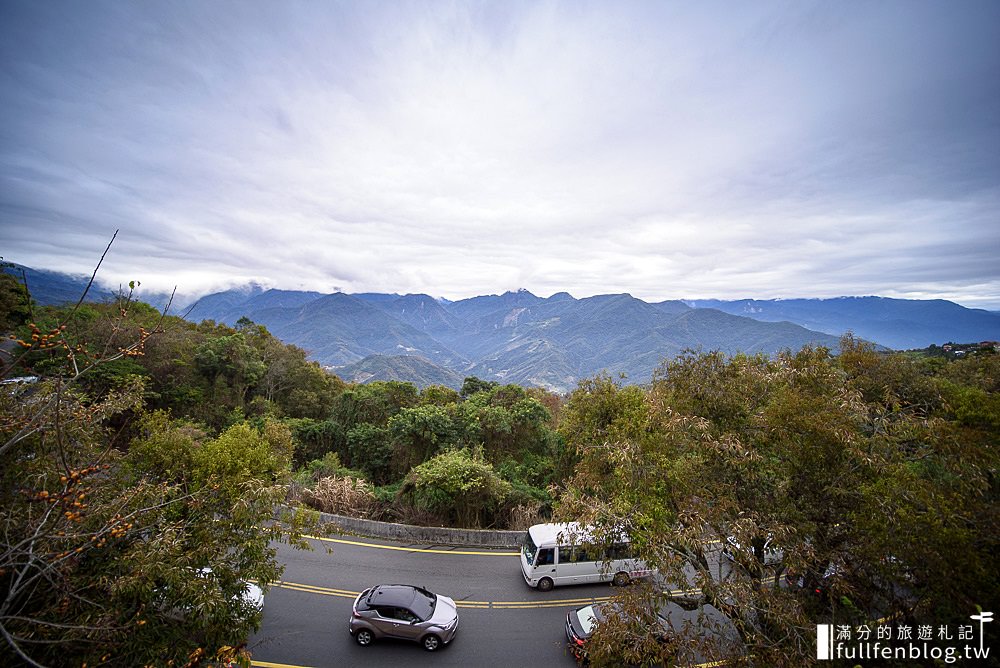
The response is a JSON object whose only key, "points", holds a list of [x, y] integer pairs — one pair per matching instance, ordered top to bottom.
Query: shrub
{"points": [[461, 489]]}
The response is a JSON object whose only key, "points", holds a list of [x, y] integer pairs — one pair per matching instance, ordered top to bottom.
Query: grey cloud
{"points": [[462, 149]]}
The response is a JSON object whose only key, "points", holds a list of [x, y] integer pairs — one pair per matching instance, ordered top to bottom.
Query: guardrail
{"points": [[417, 534]]}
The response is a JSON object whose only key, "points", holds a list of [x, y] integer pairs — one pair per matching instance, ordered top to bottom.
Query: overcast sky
{"points": [[665, 149]]}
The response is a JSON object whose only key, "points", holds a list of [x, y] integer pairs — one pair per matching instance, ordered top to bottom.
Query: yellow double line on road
{"points": [[314, 589], [344, 593], [482, 605], [523, 605]]}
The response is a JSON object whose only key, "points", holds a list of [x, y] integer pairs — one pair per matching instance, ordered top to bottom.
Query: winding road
{"points": [[503, 622]]}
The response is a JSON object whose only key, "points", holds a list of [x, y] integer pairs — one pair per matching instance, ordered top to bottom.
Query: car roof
{"points": [[564, 533], [547, 534], [392, 594], [602, 610]]}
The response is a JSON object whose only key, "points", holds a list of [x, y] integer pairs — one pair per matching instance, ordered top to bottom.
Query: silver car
{"points": [[406, 612]]}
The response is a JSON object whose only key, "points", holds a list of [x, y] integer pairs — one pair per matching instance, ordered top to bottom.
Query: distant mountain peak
{"points": [[520, 292]]}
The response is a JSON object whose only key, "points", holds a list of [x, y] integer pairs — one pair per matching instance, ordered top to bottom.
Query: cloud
{"points": [[663, 150]]}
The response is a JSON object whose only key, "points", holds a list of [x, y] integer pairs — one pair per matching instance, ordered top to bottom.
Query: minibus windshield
{"points": [[529, 548]]}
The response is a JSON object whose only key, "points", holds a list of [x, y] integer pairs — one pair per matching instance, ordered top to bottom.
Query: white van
{"points": [[561, 554]]}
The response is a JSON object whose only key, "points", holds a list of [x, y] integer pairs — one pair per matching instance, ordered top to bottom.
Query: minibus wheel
{"points": [[620, 579], [545, 584]]}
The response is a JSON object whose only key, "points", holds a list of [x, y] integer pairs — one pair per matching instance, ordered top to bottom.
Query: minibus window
{"points": [[529, 548], [621, 551], [546, 557]]}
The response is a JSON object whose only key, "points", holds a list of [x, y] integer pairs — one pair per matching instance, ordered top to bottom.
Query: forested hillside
{"points": [[134, 445]]}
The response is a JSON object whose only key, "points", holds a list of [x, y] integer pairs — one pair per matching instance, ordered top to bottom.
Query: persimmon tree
{"points": [[127, 537]]}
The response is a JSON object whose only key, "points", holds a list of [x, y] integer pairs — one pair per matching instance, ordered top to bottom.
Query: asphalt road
{"points": [[502, 621]]}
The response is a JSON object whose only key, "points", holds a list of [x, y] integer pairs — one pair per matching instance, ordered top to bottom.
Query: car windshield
{"points": [[529, 548], [423, 604]]}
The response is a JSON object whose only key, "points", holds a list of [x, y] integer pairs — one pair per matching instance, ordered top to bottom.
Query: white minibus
{"points": [[561, 554]]}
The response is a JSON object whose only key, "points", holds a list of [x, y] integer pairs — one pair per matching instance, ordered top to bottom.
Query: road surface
{"points": [[502, 621]]}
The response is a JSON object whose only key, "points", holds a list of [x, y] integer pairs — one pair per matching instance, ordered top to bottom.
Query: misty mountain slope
{"points": [[50, 287], [376, 297], [278, 299], [220, 306], [674, 306], [228, 307], [487, 308], [424, 313], [895, 323], [489, 324], [338, 329], [711, 329], [613, 333], [528, 361], [417, 370]]}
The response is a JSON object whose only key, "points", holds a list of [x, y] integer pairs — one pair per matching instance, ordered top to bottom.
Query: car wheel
{"points": [[620, 579], [545, 584], [364, 637], [431, 642]]}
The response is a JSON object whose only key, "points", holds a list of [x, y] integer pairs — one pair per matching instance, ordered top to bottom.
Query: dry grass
{"points": [[341, 496], [525, 515]]}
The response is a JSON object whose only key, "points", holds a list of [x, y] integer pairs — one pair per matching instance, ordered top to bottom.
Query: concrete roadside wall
{"points": [[414, 534]]}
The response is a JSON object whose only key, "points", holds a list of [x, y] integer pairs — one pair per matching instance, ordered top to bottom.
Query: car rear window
{"points": [[589, 617]]}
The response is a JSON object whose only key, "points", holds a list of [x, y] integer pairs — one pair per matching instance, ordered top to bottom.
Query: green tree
{"points": [[15, 303], [232, 359], [472, 385], [439, 395], [373, 403], [505, 420], [418, 433], [313, 439], [370, 448], [847, 464], [460, 488]]}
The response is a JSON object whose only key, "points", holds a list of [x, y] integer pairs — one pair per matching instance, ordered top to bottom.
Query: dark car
{"points": [[815, 583], [405, 612], [580, 624]]}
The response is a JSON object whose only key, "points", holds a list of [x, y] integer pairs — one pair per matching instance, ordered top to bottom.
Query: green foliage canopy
{"points": [[877, 481], [457, 485]]}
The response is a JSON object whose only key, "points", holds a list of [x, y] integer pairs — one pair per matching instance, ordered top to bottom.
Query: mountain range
{"points": [[900, 324], [554, 342]]}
